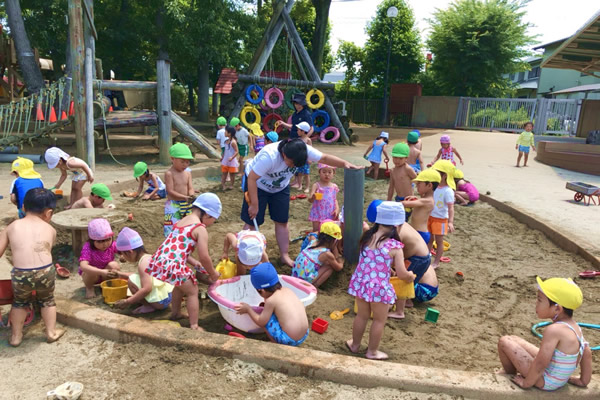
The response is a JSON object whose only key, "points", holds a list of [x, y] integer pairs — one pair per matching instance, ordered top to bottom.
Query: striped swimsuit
{"points": [[562, 365]]}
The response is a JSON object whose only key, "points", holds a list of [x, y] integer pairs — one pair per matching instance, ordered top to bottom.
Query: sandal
{"points": [[301, 196], [293, 197], [445, 259]]}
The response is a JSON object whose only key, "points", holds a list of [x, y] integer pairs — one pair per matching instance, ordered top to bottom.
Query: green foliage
{"points": [[474, 42], [350, 57], [179, 98], [494, 117]]}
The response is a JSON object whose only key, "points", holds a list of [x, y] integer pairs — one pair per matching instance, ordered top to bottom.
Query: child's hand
{"points": [[231, 159], [387, 160], [90, 179], [410, 198], [450, 227], [224, 256], [112, 274], [214, 276], [121, 304], [242, 308], [519, 381], [576, 381]]}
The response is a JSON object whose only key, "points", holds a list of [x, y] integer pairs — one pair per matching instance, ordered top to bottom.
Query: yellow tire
{"points": [[319, 94], [245, 112]]}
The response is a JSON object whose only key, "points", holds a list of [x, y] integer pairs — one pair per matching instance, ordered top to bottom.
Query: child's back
{"points": [[414, 155], [31, 240], [290, 312]]}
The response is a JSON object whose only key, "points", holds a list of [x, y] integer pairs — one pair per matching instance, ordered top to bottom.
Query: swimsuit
{"points": [[448, 154], [375, 156], [162, 188], [324, 209], [175, 210], [425, 235], [307, 264], [419, 265], [25, 281], [425, 292], [279, 335], [562, 365]]}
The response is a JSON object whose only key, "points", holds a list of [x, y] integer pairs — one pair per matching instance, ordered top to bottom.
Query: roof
{"points": [[543, 46], [581, 51], [226, 80], [529, 85], [583, 88]]}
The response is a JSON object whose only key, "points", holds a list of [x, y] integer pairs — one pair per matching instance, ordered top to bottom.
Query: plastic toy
{"points": [[277, 127], [584, 191], [58, 193], [318, 196], [130, 216], [446, 246], [226, 268], [62, 271], [589, 274], [403, 289], [114, 290], [6, 297], [337, 315], [432, 315], [319, 325], [535, 327], [237, 335]]}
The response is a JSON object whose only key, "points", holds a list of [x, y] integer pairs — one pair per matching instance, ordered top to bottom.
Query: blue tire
{"points": [[254, 88], [326, 120]]}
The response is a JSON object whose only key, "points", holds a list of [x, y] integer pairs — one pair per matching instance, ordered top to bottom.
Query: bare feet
{"points": [[517, 165], [295, 186], [306, 190], [285, 258], [435, 266], [90, 293], [408, 304], [144, 309], [396, 315], [177, 317], [196, 328], [51, 338], [15, 340], [349, 345], [378, 355]]}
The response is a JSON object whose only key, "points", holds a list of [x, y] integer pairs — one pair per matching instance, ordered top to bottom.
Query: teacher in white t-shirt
{"points": [[267, 183]]}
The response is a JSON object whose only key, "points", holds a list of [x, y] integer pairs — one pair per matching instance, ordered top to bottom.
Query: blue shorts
{"points": [[524, 149], [416, 167], [305, 169], [161, 193], [279, 206], [407, 211], [425, 235], [309, 238], [419, 265], [425, 292], [166, 301], [274, 329]]}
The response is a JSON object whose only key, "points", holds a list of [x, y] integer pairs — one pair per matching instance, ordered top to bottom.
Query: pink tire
{"points": [[274, 91], [334, 138]]}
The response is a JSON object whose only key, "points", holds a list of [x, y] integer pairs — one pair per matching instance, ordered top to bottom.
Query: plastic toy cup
{"points": [[58, 193], [318, 196], [114, 290], [404, 290], [432, 315], [320, 325]]}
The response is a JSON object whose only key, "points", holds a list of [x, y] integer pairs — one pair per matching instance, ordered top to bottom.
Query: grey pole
{"points": [[392, 12], [163, 80], [89, 109], [354, 198]]}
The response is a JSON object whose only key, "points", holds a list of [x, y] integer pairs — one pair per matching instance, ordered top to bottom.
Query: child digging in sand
{"points": [[376, 149], [82, 173], [402, 175], [26, 179], [179, 186], [156, 188], [100, 192], [31, 239], [250, 249], [283, 316], [563, 347]]}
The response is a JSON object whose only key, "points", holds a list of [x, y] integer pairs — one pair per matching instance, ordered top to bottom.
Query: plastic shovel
{"points": [[247, 197], [62, 271], [589, 274], [337, 315]]}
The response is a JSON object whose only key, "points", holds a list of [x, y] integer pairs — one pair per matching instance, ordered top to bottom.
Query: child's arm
{"points": [[308, 140], [533, 143], [368, 150], [237, 153], [385, 154], [439, 154], [458, 155], [420, 159], [81, 164], [410, 171], [61, 180], [154, 183], [190, 185], [171, 188], [391, 188], [313, 190], [139, 191], [13, 198], [414, 202], [336, 210], [450, 217], [230, 241], [203, 254], [329, 258], [90, 269], [401, 271], [145, 282], [259, 319], [541, 361], [586, 369]]}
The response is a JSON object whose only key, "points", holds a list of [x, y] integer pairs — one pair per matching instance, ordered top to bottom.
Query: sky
{"points": [[553, 19]]}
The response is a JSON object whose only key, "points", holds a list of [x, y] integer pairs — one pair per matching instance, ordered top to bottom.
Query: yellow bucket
{"points": [[446, 245], [226, 268], [114, 290], [404, 290]]}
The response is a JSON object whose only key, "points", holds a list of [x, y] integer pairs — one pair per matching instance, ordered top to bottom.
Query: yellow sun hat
{"points": [[256, 129], [24, 167], [448, 168], [458, 174], [428, 175], [332, 229], [563, 292]]}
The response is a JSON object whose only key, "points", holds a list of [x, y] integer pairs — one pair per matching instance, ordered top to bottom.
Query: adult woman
{"points": [[301, 114]]}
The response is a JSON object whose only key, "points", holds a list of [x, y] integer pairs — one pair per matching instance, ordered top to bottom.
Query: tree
{"points": [[320, 35], [474, 42], [350, 57]]}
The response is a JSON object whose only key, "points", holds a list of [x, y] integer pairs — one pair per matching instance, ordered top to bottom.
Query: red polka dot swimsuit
{"points": [[168, 263]]}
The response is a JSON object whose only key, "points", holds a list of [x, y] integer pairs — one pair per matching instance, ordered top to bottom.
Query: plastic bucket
{"points": [[226, 268], [114, 290], [404, 290], [6, 291]]}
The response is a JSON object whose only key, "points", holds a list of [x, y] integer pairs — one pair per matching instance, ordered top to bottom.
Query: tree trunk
{"points": [[320, 34], [25, 57], [203, 90], [191, 101], [215, 103]]}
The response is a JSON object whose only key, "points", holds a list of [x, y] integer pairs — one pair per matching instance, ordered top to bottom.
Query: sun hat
{"points": [[299, 98], [221, 121], [234, 121], [305, 126], [256, 129], [418, 132], [384, 135], [273, 136], [413, 137], [445, 139], [180, 150], [400, 150], [53, 155], [321, 165], [24, 167], [448, 168], [139, 169], [458, 174], [428, 175], [101, 190], [209, 203], [372, 210], [390, 213], [99, 229], [332, 229], [128, 239], [250, 249], [263, 276], [563, 292]]}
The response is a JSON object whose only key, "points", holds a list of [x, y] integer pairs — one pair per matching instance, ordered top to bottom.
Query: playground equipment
{"points": [[584, 191]]}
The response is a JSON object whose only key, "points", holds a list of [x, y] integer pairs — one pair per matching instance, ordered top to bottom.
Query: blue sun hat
{"points": [[372, 210], [263, 276]]}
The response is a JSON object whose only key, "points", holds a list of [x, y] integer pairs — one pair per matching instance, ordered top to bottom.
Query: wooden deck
{"points": [[572, 156]]}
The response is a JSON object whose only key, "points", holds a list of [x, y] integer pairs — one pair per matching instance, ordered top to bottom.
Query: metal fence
{"points": [[364, 111]]}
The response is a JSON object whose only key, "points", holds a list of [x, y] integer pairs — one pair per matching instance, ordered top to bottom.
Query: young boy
{"points": [[241, 135], [271, 137], [221, 138], [524, 142], [414, 156], [303, 173], [402, 175], [27, 179], [427, 181], [179, 186], [100, 193], [441, 220], [31, 240], [250, 249], [427, 288], [284, 316]]}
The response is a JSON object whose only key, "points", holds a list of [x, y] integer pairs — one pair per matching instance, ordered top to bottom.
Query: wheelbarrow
{"points": [[584, 191], [6, 297]]}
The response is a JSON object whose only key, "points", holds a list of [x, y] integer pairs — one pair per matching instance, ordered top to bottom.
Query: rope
{"points": [[106, 140]]}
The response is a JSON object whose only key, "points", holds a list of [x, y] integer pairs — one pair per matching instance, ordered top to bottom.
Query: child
{"points": [[221, 123], [241, 135], [271, 137], [257, 138], [524, 142], [418, 144], [378, 146], [447, 152], [414, 156], [55, 157], [229, 161], [303, 173], [401, 176], [26, 180], [178, 182], [426, 183], [156, 188], [100, 192], [466, 193], [323, 197], [441, 219], [31, 239], [250, 248], [97, 260], [170, 262], [316, 263], [370, 283], [427, 288], [149, 291], [283, 316], [563, 347]]}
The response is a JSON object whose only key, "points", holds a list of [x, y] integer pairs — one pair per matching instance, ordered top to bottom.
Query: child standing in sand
{"points": [[221, 124], [524, 142], [377, 148], [447, 152], [414, 156], [229, 161], [82, 173], [401, 176], [26, 179], [426, 183], [179, 186], [156, 188], [466, 193], [323, 196], [441, 219], [31, 239], [250, 249], [170, 262], [370, 283], [283, 316], [563, 347]]}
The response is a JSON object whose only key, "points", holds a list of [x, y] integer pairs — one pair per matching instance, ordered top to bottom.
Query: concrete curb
{"points": [[554, 234], [306, 362]]}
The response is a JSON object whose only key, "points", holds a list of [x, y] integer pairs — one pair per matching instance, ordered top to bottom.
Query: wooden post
{"points": [[77, 57], [163, 80], [125, 85], [89, 109], [194, 136], [354, 197]]}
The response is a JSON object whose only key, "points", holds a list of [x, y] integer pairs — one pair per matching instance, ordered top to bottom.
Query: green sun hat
{"points": [[221, 121], [234, 121], [413, 137], [180, 150], [400, 150], [139, 169], [101, 190]]}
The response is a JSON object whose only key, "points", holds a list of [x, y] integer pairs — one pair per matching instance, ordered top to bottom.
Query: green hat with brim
{"points": [[221, 121], [234, 121], [413, 137], [180, 150], [400, 150], [139, 169], [101, 190]]}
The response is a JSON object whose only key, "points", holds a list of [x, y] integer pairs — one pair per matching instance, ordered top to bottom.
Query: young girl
{"points": [[271, 137], [257, 138], [524, 142], [378, 147], [446, 152], [55, 157], [229, 160], [156, 188], [466, 193], [323, 197], [97, 260], [170, 262], [316, 263], [370, 283], [149, 291], [563, 347]]}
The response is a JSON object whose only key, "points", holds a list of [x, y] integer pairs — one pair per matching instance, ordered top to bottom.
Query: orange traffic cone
{"points": [[72, 109], [110, 109], [39, 114], [52, 115], [63, 116]]}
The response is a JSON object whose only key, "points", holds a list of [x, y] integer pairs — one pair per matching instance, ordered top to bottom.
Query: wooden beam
{"points": [[89, 14], [77, 57], [285, 82], [124, 85], [194, 136]]}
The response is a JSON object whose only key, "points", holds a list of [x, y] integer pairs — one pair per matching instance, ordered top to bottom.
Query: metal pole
{"points": [[77, 56], [163, 78], [385, 84], [89, 108], [354, 198]]}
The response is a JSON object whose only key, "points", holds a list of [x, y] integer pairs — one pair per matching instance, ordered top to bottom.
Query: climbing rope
{"points": [[106, 140]]}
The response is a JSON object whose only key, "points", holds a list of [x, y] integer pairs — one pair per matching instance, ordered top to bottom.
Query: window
{"points": [[534, 73], [521, 76]]}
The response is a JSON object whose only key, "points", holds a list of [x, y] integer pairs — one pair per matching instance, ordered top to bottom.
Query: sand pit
{"points": [[498, 256]]}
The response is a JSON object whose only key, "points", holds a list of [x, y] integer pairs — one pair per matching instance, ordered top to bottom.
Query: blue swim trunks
{"points": [[524, 149], [416, 167], [305, 169], [161, 193], [407, 210], [425, 235], [308, 239], [419, 265], [425, 292], [166, 301], [274, 329]]}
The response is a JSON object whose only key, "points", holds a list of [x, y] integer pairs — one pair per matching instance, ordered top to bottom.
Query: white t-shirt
{"points": [[242, 136], [221, 137], [274, 174], [441, 197]]}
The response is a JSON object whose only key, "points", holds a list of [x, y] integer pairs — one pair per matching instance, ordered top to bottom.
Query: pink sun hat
{"points": [[445, 139], [99, 229], [129, 239]]}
